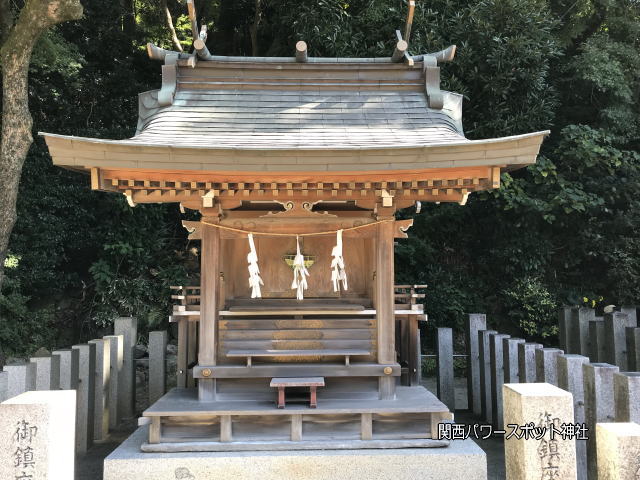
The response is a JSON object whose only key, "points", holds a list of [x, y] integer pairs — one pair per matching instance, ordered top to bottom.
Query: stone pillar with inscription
{"points": [[37, 436], [618, 451], [547, 454]]}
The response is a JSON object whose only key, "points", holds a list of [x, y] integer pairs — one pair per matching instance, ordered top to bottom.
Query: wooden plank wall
{"points": [[277, 275], [308, 332]]}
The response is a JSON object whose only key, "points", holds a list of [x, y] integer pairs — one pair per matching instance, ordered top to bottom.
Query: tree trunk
{"points": [[128, 17], [34, 19], [172, 30], [253, 30]]}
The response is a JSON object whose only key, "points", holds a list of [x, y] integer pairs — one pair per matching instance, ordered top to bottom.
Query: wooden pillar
{"points": [[209, 273], [385, 305], [192, 351], [182, 353]]}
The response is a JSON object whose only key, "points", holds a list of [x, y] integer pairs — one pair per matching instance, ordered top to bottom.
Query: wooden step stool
{"points": [[312, 382]]}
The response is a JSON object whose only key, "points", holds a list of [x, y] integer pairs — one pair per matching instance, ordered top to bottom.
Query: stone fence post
{"points": [[475, 323], [564, 327], [128, 328], [580, 330], [596, 340], [615, 342], [633, 348], [510, 354], [116, 358], [527, 361], [444, 364], [157, 365], [547, 365], [47, 372], [485, 373], [497, 376], [21, 378], [570, 378], [102, 379], [4, 386], [626, 386], [598, 405], [37, 436], [618, 451], [550, 456]]}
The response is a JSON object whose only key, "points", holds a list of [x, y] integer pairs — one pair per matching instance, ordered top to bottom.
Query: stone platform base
{"points": [[460, 460]]}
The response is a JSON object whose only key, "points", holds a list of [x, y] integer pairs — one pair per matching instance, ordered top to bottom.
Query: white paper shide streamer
{"points": [[254, 271], [300, 273], [338, 273]]}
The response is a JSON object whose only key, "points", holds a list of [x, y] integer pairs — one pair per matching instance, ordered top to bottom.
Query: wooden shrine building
{"points": [[290, 151]]}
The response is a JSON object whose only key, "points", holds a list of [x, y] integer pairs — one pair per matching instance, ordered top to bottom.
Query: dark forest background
{"points": [[563, 231]]}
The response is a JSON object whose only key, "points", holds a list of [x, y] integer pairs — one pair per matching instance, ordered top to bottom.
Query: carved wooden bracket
{"points": [[169, 79], [432, 82], [297, 210]]}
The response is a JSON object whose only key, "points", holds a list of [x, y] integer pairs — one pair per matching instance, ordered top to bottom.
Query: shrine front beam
{"points": [[368, 231]]}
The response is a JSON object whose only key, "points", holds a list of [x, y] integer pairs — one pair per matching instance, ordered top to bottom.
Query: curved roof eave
{"points": [[80, 152]]}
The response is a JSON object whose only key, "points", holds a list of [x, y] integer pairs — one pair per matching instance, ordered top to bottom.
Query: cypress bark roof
{"points": [[261, 115]]}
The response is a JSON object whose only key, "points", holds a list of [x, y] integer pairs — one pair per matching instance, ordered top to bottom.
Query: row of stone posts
{"points": [[613, 338], [101, 372], [600, 392]]}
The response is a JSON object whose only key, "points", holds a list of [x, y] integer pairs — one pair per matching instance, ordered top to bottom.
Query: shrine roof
{"points": [[235, 114]]}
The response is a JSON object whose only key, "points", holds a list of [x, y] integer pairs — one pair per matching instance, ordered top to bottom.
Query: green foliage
{"points": [[556, 232], [532, 307]]}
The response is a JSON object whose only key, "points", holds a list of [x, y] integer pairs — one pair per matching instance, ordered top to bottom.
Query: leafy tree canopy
{"points": [[556, 233]]}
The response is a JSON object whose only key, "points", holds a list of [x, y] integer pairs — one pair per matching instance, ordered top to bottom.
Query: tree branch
{"points": [[35, 17], [172, 30]]}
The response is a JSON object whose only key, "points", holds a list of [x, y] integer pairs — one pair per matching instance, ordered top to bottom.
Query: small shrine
{"points": [[294, 338]]}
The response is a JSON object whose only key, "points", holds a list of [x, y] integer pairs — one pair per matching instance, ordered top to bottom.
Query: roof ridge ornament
{"points": [[409, 22], [199, 35], [402, 45], [301, 51]]}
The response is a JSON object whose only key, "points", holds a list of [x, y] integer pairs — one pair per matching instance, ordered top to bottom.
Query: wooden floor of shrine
{"points": [[180, 422]]}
